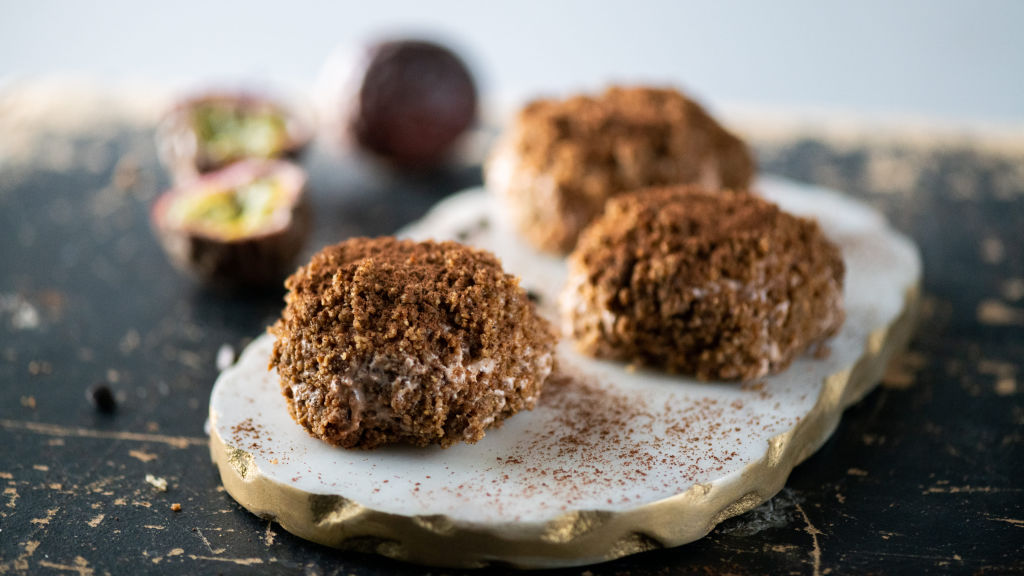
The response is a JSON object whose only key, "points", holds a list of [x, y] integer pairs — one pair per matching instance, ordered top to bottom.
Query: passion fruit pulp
{"points": [[209, 132], [241, 226]]}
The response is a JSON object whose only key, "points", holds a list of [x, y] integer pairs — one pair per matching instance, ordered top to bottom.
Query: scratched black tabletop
{"points": [[925, 475]]}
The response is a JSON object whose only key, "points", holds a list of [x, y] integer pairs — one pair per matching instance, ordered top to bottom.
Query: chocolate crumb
{"points": [[534, 296], [102, 398]]}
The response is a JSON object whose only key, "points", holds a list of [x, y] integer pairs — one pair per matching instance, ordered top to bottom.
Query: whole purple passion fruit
{"points": [[410, 102], [208, 132], [241, 226]]}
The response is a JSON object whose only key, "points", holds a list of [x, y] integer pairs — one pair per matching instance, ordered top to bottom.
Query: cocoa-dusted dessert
{"points": [[406, 101], [208, 132], [562, 159], [238, 227], [722, 285], [393, 341]]}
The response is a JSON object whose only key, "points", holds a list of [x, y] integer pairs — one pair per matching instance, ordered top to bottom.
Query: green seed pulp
{"points": [[228, 132], [231, 213]]}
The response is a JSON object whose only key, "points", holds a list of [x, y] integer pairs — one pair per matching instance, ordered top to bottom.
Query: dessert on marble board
{"points": [[561, 160], [718, 284], [388, 341], [407, 347], [566, 484]]}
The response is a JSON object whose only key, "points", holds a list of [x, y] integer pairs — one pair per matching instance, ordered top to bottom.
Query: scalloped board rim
{"points": [[579, 536]]}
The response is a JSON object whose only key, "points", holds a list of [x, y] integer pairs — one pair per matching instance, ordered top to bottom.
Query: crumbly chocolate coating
{"points": [[562, 159], [721, 285], [394, 341]]}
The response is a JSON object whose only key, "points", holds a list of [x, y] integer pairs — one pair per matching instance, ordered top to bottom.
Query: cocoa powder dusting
{"points": [[598, 440]]}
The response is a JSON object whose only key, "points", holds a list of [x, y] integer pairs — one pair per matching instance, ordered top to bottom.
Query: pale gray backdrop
{"points": [[935, 59]]}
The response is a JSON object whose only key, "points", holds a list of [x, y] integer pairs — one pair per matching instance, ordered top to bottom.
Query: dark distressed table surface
{"points": [[924, 475]]}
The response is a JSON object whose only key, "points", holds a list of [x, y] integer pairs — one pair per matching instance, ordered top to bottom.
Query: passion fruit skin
{"points": [[411, 101], [178, 143], [261, 259]]}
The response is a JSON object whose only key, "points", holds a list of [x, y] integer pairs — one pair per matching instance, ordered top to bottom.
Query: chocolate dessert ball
{"points": [[562, 159], [721, 285], [394, 341]]}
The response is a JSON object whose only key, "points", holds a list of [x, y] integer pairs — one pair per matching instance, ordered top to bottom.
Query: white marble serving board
{"points": [[609, 438]]}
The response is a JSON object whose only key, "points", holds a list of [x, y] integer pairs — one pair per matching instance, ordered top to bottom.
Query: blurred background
{"points": [[936, 59]]}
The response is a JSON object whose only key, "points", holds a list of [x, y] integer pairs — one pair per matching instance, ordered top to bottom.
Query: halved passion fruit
{"points": [[211, 131], [241, 226]]}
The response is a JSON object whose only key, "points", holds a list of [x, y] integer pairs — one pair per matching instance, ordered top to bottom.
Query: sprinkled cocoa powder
{"points": [[245, 434], [597, 439]]}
